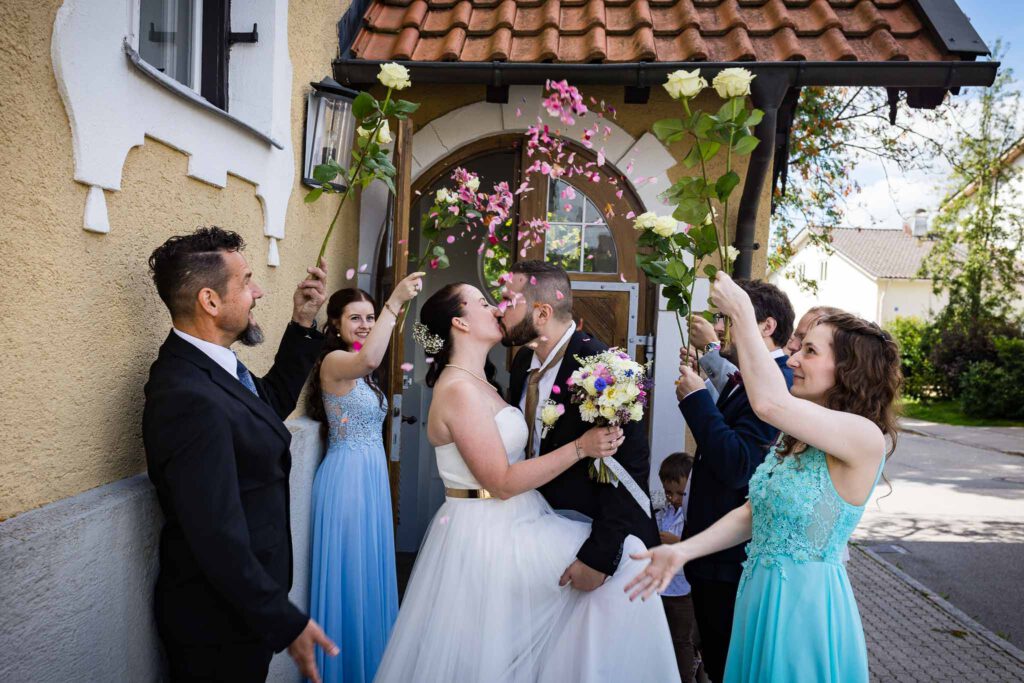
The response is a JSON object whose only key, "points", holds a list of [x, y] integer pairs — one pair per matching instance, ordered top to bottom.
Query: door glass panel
{"points": [[578, 240]]}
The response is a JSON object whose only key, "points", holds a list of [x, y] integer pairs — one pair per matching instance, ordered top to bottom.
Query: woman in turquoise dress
{"points": [[353, 589], [796, 618]]}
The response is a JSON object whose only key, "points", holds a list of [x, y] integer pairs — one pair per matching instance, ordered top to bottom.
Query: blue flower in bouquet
{"points": [[600, 384]]}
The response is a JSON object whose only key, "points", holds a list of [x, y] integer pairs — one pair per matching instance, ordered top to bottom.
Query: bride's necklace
{"points": [[482, 379]]}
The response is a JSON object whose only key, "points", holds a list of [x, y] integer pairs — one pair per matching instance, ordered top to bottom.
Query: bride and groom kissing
{"points": [[522, 573]]}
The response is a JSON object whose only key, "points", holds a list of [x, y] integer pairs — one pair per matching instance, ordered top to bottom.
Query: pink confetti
{"points": [[519, 112], [619, 194], [630, 216], [451, 239], [362, 268], [350, 273], [622, 278], [533, 280], [559, 295], [356, 346], [429, 361], [406, 367], [556, 390], [559, 409], [443, 520]]}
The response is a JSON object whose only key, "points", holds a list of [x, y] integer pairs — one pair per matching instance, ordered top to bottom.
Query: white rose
{"points": [[394, 76], [734, 82], [684, 83], [383, 135], [473, 184], [443, 196], [645, 221], [665, 226], [732, 253], [588, 384], [608, 412], [636, 412], [549, 414]]}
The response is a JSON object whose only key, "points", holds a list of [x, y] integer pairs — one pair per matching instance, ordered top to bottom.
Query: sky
{"points": [[887, 202]]}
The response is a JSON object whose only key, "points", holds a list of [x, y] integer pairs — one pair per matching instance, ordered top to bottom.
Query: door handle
{"points": [[409, 419]]}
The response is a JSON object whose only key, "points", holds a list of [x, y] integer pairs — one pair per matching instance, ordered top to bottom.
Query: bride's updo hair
{"points": [[436, 314]]}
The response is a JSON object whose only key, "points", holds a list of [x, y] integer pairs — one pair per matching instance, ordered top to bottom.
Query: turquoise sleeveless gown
{"points": [[354, 590], [796, 618]]}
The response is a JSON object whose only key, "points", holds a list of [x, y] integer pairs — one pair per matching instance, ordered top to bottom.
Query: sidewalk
{"points": [[1009, 440], [914, 635]]}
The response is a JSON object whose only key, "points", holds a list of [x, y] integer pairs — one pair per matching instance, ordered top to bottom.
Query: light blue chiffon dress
{"points": [[354, 590], [796, 618]]}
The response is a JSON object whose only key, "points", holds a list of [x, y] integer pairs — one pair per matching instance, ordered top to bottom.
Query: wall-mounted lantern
{"points": [[330, 128]]}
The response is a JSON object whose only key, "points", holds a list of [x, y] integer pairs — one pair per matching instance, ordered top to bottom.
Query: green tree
{"points": [[834, 129], [980, 229]]}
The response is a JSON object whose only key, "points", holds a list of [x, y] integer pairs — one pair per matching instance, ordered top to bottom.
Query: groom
{"points": [[538, 312]]}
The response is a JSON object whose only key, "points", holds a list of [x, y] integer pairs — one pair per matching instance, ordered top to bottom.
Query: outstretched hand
{"points": [[666, 561], [303, 650]]}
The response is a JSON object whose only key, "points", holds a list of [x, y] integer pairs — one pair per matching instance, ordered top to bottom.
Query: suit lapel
{"points": [[182, 349], [568, 366]]}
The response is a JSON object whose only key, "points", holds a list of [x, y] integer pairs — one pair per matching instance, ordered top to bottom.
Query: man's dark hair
{"points": [[185, 264], [551, 280], [770, 302], [675, 467]]}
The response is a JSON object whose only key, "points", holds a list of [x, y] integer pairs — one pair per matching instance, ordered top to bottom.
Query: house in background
{"points": [[872, 273]]}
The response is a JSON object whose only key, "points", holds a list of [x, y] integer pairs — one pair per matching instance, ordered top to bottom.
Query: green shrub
{"points": [[914, 337], [955, 345], [995, 388]]}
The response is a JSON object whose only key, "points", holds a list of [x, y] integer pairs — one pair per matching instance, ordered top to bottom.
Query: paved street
{"points": [[955, 520]]}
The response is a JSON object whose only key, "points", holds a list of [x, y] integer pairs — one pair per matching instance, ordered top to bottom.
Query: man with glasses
{"points": [[731, 442]]}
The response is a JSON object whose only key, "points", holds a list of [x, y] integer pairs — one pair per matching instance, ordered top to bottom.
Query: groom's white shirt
{"points": [[223, 357], [546, 382]]}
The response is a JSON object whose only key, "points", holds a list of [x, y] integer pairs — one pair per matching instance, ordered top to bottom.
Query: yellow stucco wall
{"points": [[635, 119], [80, 320]]}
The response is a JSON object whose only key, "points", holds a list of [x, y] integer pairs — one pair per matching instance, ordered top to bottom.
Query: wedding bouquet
{"points": [[611, 390]]}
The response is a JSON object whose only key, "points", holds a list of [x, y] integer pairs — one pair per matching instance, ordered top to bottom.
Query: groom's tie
{"points": [[245, 377], [533, 395]]}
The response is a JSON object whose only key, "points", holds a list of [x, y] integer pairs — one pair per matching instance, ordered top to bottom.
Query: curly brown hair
{"points": [[868, 376]]}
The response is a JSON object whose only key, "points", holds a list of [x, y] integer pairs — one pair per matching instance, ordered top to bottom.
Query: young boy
{"points": [[674, 472]]}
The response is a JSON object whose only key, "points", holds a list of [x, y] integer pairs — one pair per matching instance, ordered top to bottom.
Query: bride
{"points": [[484, 601]]}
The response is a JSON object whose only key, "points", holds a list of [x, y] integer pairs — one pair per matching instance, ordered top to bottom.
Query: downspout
{"points": [[767, 93]]}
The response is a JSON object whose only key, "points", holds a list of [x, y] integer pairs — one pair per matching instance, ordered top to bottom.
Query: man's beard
{"points": [[523, 333], [252, 335]]}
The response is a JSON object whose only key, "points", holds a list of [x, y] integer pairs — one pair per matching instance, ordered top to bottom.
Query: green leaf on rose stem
{"points": [[363, 105], [406, 107], [732, 110], [753, 118], [705, 122], [666, 128], [746, 144], [709, 148], [692, 157], [325, 173], [387, 180], [725, 185], [313, 195], [692, 211], [683, 240], [437, 251], [442, 261], [676, 269], [710, 271], [709, 316]]}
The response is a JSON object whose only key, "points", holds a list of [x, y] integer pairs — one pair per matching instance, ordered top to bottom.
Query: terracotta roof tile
{"points": [[644, 30]]}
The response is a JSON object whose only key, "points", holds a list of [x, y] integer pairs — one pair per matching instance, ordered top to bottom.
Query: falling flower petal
{"points": [[619, 194], [451, 239], [362, 268], [350, 273], [622, 278], [559, 295], [356, 346], [429, 361], [406, 367], [556, 390], [443, 520]]}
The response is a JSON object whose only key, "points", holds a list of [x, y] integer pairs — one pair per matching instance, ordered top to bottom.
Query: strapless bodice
{"points": [[453, 469]]}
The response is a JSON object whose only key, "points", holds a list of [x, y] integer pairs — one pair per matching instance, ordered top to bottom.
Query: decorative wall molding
{"points": [[112, 107]]}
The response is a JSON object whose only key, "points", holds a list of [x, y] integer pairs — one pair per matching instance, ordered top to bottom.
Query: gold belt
{"points": [[467, 493]]}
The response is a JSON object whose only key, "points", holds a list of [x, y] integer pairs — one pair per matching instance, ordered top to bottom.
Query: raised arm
{"points": [[349, 365], [475, 433], [850, 438]]}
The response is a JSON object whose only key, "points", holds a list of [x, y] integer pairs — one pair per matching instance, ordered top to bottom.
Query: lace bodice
{"points": [[356, 417], [453, 469], [797, 512]]}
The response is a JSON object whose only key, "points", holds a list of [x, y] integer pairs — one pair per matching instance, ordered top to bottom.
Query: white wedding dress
{"points": [[484, 604]]}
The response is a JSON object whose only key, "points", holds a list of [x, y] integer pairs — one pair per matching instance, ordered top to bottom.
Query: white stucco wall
{"points": [[844, 285], [904, 298], [77, 590]]}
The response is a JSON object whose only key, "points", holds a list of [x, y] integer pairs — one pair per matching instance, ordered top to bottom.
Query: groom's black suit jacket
{"points": [[218, 456], [615, 513]]}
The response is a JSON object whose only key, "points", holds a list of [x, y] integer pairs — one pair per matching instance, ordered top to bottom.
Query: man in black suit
{"points": [[538, 313], [731, 442], [217, 453]]}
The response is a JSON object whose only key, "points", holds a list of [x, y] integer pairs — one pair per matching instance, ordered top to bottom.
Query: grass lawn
{"points": [[948, 412]]}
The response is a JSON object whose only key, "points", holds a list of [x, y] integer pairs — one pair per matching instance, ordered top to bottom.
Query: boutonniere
{"points": [[549, 415]]}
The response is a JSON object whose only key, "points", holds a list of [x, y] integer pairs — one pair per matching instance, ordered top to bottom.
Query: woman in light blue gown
{"points": [[353, 589], [796, 618]]}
